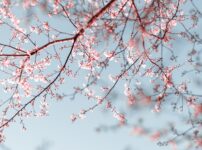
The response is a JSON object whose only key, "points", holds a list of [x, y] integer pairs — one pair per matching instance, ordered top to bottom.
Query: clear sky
{"points": [[57, 132]]}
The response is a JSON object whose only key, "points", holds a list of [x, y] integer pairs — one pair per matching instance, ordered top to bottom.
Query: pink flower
{"points": [[147, 1], [6, 2], [46, 26], [155, 31], [131, 44], [109, 55], [6, 63], [86, 65], [167, 77], [108, 105], [197, 109], [73, 117], [120, 117], [138, 131], [155, 136], [199, 142]]}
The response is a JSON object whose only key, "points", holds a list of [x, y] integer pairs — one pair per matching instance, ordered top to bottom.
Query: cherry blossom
{"points": [[126, 57]]}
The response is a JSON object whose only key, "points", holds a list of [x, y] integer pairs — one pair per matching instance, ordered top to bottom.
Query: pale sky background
{"points": [[57, 132]]}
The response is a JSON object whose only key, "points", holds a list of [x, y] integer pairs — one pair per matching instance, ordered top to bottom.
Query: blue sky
{"points": [[59, 132]]}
